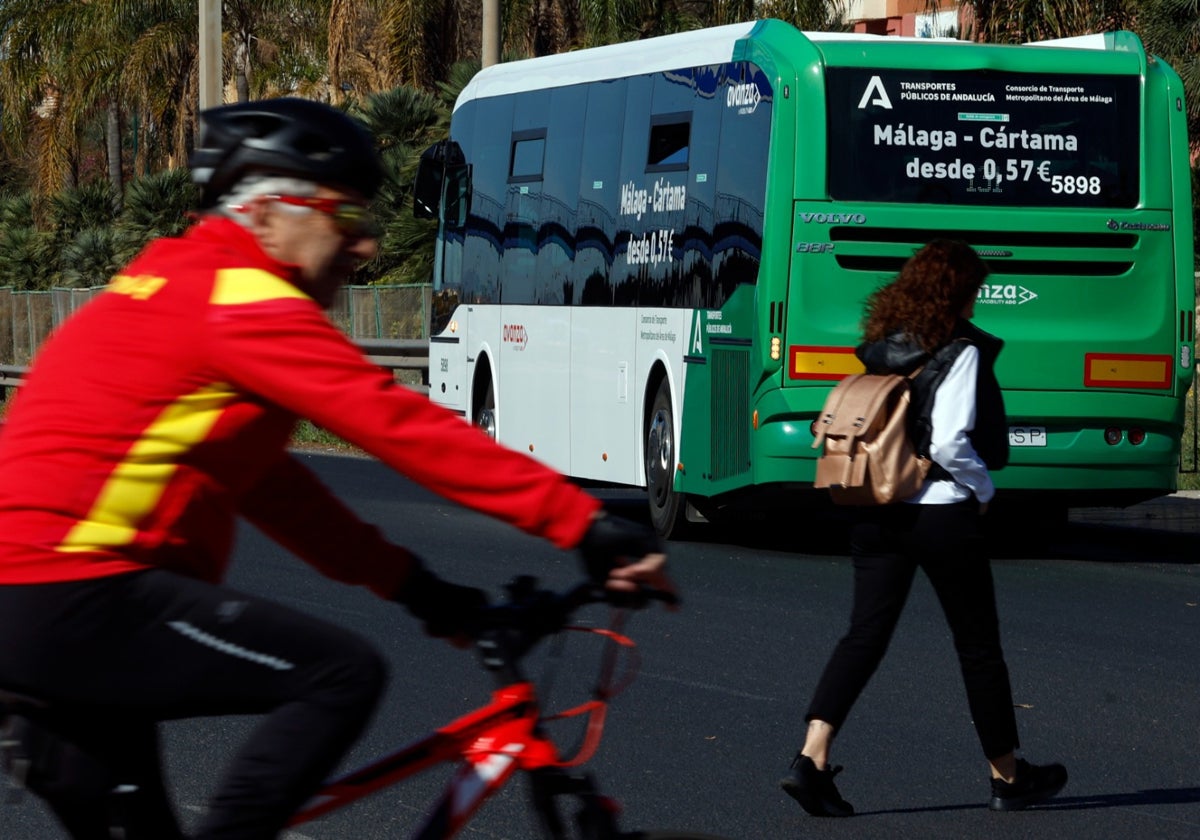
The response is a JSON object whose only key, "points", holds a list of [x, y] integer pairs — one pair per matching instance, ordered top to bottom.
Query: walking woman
{"points": [[957, 419]]}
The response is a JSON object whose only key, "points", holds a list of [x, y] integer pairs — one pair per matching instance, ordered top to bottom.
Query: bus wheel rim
{"points": [[487, 422], [659, 460]]}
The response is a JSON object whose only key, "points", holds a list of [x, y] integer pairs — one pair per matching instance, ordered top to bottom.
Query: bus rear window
{"points": [[982, 137]]}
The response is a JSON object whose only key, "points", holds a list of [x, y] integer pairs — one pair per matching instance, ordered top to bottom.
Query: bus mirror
{"points": [[442, 184], [427, 189]]}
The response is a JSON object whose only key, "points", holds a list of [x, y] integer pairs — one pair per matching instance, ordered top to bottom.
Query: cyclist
{"points": [[161, 411]]}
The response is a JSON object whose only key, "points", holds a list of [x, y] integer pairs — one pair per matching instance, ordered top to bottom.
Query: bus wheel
{"points": [[485, 411], [667, 507]]}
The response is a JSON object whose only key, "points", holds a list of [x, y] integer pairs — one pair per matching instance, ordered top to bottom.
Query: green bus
{"points": [[653, 256]]}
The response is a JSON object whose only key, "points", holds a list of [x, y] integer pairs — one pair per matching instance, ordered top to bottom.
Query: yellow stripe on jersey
{"points": [[251, 285], [141, 287], [135, 487]]}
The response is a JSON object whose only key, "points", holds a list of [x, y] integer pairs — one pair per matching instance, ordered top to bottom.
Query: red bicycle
{"points": [[509, 734]]}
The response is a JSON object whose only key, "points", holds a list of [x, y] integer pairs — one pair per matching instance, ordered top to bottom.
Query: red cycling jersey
{"points": [[164, 407]]}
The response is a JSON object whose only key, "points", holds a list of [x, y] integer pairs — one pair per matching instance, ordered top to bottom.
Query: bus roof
{"points": [[698, 48], [652, 55]]}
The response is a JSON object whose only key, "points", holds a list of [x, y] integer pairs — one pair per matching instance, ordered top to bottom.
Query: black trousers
{"points": [[888, 546], [113, 657]]}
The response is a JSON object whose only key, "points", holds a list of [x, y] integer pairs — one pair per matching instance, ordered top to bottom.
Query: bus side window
{"points": [[670, 139], [527, 161], [600, 182]]}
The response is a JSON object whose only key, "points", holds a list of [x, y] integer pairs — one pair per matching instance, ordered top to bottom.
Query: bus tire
{"points": [[484, 413], [668, 508]]}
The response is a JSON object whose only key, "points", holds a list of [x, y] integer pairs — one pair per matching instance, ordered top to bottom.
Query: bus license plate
{"points": [[1026, 435]]}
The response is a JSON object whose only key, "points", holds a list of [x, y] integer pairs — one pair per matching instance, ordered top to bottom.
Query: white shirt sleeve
{"points": [[953, 416]]}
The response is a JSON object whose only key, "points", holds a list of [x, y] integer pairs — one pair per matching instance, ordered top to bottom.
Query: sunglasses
{"points": [[351, 219]]}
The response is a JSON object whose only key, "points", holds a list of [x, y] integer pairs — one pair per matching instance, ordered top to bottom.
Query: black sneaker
{"points": [[1032, 784], [814, 789]]}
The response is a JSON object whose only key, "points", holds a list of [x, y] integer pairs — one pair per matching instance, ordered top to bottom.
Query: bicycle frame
{"points": [[492, 743]]}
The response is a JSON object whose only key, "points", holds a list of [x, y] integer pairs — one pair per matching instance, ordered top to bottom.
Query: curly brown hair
{"points": [[927, 297]]}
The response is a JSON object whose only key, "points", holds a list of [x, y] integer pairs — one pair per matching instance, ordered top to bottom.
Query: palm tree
{"points": [[808, 15], [613, 21], [1016, 21], [1171, 29], [271, 30], [426, 37], [359, 46], [68, 65], [162, 72], [39, 115], [405, 121], [156, 205], [25, 252]]}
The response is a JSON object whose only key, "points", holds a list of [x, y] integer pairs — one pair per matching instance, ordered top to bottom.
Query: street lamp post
{"points": [[490, 52], [210, 53]]}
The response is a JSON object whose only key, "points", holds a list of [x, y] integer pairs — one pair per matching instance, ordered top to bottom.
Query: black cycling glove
{"points": [[610, 538], [447, 609]]}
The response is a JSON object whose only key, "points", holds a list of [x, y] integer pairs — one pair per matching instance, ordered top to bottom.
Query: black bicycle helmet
{"points": [[287, 136]]}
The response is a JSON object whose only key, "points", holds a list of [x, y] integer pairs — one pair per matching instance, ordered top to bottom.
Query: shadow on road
{"points": [[1165, 530], [828, 533], [1117, 544], [1157, 796]]}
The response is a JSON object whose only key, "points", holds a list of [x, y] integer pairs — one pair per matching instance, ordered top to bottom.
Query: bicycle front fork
{"points": [[596, 817]]}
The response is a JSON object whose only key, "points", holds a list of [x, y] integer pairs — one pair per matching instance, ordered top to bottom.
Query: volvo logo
{"points": [[833, 218]]}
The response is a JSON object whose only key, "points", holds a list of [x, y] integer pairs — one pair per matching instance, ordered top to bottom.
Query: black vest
{"points": [[990, 435]]}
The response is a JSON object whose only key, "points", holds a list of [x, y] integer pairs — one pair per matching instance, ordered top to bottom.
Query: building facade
{"points": [[913, 18]]}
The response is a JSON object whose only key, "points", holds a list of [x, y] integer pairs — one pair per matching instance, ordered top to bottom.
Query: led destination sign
{"points": [[981, 137]]}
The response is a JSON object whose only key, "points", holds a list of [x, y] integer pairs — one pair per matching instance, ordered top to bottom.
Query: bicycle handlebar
{"points": [[504, 633]]}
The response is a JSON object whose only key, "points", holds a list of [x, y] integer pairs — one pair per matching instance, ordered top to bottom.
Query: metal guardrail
{"points": [[401, 356], [10, 376]]}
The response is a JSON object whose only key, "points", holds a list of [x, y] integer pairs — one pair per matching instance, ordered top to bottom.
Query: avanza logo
{"points": [[743, 97], [1009, 294], [515, 334]]}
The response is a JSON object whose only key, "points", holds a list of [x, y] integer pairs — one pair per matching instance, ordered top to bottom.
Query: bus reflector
{"points": [[812, 362], [1126, 370]]}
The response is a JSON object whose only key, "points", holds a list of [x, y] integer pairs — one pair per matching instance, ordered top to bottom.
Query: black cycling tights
{"points": [[114, 656]]}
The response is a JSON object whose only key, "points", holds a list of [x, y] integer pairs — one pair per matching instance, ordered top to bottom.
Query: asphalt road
{"points": [[1101, 628]]}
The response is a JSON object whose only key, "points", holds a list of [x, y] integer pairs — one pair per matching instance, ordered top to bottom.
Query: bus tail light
{"points": [[1113, 435]]}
